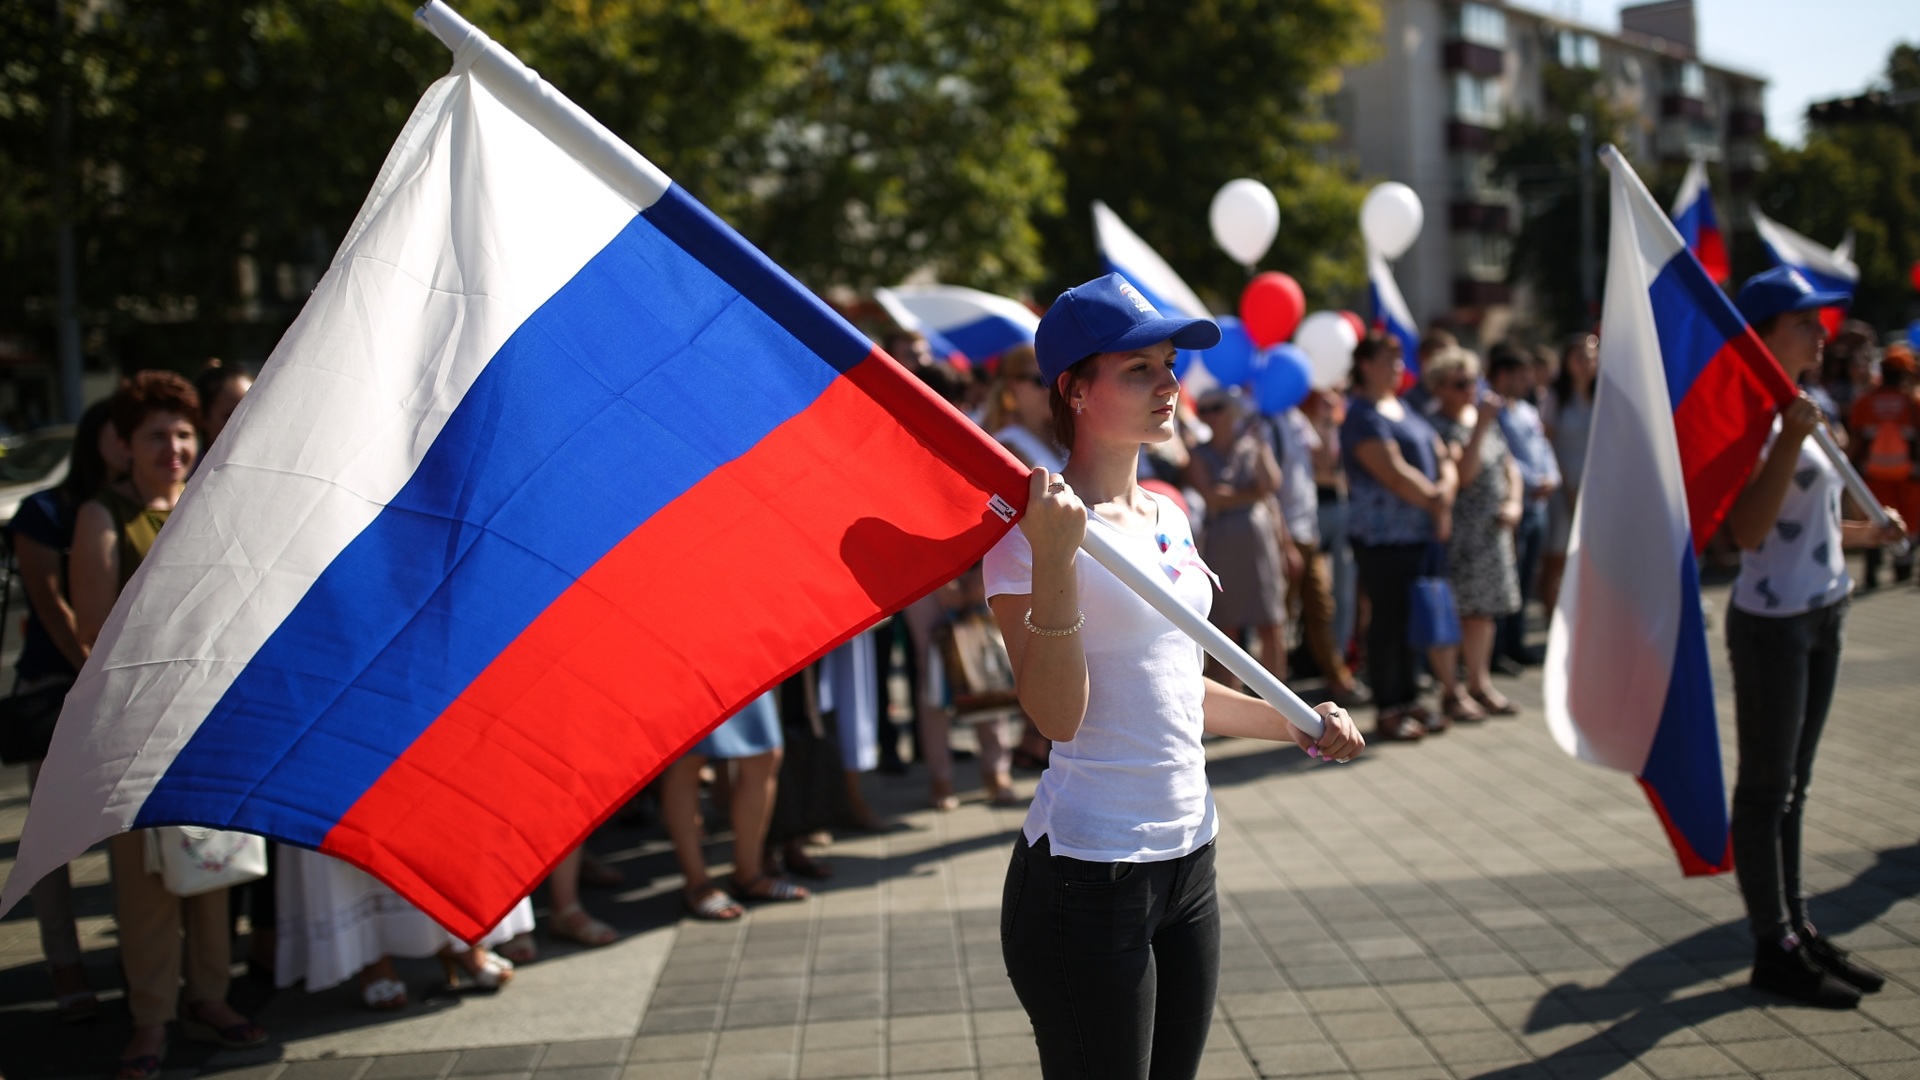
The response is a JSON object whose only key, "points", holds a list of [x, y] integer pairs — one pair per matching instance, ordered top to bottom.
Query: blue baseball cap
{"points": [[1780, 290], [1108, 314]]}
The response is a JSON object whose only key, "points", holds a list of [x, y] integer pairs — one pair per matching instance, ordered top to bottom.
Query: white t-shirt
{"points": [[1799, 566], [1132, 785]]}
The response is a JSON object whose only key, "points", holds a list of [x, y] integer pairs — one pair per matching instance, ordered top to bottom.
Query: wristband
{"points": [[1044, 632]]}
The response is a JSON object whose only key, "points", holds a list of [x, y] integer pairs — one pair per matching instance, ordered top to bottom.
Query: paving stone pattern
{"points": [[1477, 906]]}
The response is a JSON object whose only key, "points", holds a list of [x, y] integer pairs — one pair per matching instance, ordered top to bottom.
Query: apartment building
{"points": [[1452, 74]]}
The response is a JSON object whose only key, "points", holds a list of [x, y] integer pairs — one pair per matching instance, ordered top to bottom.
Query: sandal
{"points": [[1495, 704], [1398, 726], [805, 865], [598, 874], [764, 887], [715, 906], [572, 923], [519, 949], [484, 969], [383, 995], [232, 1036], [144, 1067]]}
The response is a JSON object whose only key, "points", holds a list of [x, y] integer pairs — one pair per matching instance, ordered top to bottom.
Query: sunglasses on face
{"points": [[1460, 384]]}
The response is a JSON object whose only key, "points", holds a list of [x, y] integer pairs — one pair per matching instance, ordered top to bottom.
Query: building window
{"points": [[1481, 25], [1579, 50], [1693, 81], [1477, 100], [1471, 175], [1482, 256]]}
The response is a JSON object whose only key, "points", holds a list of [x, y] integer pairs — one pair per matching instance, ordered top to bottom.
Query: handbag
{"points": [[1432, 619], [979, 674], [27, 719], [192, 860]]}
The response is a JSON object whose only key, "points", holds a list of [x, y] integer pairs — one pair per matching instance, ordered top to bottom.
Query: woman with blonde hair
{"points": [[1018, 413]]}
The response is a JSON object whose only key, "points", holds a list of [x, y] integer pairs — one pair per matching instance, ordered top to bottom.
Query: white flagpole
{"points": [[641, 182], [1857, 487], [1219, 645]]}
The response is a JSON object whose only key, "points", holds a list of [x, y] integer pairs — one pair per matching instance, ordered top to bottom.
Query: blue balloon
{"points": [[1913, 333], [1231, 361], [1183, 363], [1283, 380]]}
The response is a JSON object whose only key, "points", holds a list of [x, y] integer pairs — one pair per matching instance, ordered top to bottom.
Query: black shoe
{"points": [[1528, 657], [1506, 665], [1834, 960], [1784, 968]]}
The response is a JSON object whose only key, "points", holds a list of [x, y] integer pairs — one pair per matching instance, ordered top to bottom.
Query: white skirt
{"points": [[336, 919]]}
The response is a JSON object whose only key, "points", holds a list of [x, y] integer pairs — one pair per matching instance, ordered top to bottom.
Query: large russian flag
{"points": [[1699, 226], [1123, 252], [1390, 311], [979, 324], [1686, 397], [553, 472]]}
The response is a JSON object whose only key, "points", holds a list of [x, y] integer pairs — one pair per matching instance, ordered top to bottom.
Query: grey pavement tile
{"points": [[826, 962], [1322, 976], [924, 979], [862, 982], [1499, 988], [767, 989], [1416, 994], [1343, 999], [920, 1002], [1282, 1003], [845, 1007], [762, 1014], [688, 1018], [1439, 1019], [991, 1023], [1371, 1024], [1741, 1026], [926, 1028], [1285, 1029], [842, 1034], [758, 1040], [677, 1047], [1858, 1047], [1457, 1048], [1002, 1051], [1388, 1053], [566, 1055], [1776, 1055], [920, 1057], [496, 1059], [1296, 1059], [847, 1062], [1688, 1062], [1608, 1065], [425, 1066], [1224, 1066], [752, 1067], [335, 1069], [1898, 1070], [265, 1071], [580, 1072], [1830, 1072]]}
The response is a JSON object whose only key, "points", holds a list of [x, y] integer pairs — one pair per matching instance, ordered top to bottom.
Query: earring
{"points": [[1079, 408]]}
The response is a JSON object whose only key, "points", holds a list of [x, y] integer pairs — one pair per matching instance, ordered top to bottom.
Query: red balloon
{"points": [[1914, 275], [1271, 307], [1359, 324]]}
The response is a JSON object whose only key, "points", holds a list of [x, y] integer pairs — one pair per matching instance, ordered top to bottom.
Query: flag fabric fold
{"points": [[1698, 225], [1826, 269], [1390, 312], [978, 324], [1686, 397], [553, 473]]}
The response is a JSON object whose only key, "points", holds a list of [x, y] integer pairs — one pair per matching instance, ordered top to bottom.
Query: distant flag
{"points": [[1699, 226], [1124, 253], [1826, 269], [1390, 312], [976, 323], [1686, 398], [552, 473]]}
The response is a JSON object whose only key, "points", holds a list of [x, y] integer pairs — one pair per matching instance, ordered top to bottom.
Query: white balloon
{"points": [[1245, 217], [1390, 218], [1328, 340]]}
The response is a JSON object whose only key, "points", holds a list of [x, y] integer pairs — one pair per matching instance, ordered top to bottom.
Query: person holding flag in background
{"points": [[1789, 606]]}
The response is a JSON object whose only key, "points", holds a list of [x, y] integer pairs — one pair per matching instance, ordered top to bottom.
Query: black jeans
{"points": [[1386, 576], [1783, 675], [1117, 964]]}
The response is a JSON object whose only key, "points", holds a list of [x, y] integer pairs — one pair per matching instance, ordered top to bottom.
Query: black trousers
{"points": [[1386, 576], [1784, 671], [1117, 964]]}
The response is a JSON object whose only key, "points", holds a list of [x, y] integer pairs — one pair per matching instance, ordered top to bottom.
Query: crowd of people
{"points": [[1395, 537]]}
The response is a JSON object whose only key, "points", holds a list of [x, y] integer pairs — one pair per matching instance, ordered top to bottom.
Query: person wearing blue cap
{"points": [[1789, 606], [1110, 925]]}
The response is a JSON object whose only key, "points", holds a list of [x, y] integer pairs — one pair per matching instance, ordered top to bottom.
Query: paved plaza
{"points": [[1479, 906]]}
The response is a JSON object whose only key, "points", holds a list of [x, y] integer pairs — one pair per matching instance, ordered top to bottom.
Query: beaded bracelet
{"points": [[1069, 631]]}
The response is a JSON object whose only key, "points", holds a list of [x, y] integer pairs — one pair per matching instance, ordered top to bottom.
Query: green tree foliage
{"points": [[1176, 100], [921, 138], [221, 147], [1860, 172]]}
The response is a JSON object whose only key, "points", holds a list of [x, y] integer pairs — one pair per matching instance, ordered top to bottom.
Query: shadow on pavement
{"points": [[1640, 1006]]}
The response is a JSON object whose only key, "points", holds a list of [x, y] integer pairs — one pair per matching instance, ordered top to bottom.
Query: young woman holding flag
{"points": [[1789, 607], [1109, 922]]}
